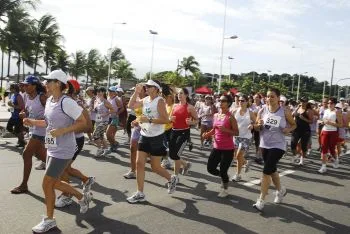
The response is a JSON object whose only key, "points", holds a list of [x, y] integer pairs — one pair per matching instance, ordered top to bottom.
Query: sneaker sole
{"points": [[129, 178], [138, 201], [255, 207]]}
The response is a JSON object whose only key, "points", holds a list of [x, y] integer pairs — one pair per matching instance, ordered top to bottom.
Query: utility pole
{"points": [[330, 88]]}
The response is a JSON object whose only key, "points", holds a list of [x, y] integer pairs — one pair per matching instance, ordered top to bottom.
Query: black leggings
{"points": [[128, 123], [304, 137], [224, 157], [271, 158]]}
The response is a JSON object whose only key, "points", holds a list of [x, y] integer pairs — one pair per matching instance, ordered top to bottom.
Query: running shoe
{"points": [[106, 151], [99, 153], [336, 163], [166, 164], [40, 166], [247, 166], [187, 168], [323, 169], [130, 175], [236, 178], [172, 184], [87, 186], [223, 193], [279, 195], [137, 197], [63, 201], [84, 202], [259, 205], [45, 225]]}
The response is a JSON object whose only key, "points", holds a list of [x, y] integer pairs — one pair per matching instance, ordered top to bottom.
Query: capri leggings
{"points": [[303, 136], [329, 140], [177, 143], [224, 157], [271, 158]]}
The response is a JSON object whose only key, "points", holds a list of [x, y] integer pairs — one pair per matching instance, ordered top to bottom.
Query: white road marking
{"points": [[256, 182]]}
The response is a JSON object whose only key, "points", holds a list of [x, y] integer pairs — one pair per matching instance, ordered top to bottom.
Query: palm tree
{"points": [[7, 6], [45, 33], [93, 59], [61, 61], [189, 65], [78, 66], [123, 70]]}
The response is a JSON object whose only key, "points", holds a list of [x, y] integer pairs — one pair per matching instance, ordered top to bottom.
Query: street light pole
{"points": [[154, 33], [222, 47], [110, 56], [230, 58], [269, 74], [299, 84]]}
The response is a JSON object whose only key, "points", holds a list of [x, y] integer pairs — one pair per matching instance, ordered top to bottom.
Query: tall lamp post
{"points": [[154, 33], [110, 55], [230, 58], [301, 64], [269, 74], [338, 86], [298, 89]]}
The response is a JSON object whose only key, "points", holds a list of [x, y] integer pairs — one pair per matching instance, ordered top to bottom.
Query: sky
{"points": [[267, 31]]}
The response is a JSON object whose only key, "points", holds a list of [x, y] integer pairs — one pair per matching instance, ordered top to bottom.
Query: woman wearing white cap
{"points": [[206, 113], [63, 117], [152, 121]]}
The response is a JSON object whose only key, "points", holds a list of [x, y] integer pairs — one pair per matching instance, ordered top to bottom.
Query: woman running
{"points": [[91, 92], [257, 105], [103, 108], [118, 108], [34, 109], [206, 113], [183, 116], [304, 116], [63, 117], [153, 117], [332, 119], [245, 120], [272, 122], [15, 123], [225, 127], [135, 136], [65, 199]]}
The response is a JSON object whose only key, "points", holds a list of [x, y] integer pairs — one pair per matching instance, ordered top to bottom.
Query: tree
{"points": [[7, 6], [45, 33], [93, 59], [61, 61], [78, 65], [189, 65], [123, 70]]}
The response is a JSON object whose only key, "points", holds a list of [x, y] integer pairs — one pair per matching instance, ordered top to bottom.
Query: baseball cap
{"points": [[57, 75], [31, 80], [152, 83], [75, 84], [90, 88], [112, 89], [120, 90], [283, 98], [303, 99], [342, 99], [312, 102], [339, 105]]}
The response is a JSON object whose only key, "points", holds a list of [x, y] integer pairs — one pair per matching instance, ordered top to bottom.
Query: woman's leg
{"points": [[225, 163], [155, 164], [140, 169]]}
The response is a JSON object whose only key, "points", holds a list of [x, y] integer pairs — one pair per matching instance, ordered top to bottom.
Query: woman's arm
{"points": [[290, 121]]}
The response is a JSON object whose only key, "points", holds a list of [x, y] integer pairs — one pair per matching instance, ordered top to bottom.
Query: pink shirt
{"points": [[222, 140]]}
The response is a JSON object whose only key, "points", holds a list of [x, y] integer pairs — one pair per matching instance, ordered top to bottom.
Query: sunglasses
{"points": [[49, 81], [149, 86], [241, 100], [330, 102]]}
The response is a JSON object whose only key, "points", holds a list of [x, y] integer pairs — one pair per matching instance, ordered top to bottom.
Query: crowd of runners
{"points": [[52, 117]]}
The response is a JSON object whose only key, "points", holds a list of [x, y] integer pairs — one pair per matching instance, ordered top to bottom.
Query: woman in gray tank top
{"points": [[34, 108], [63, 117], [272, 122]]}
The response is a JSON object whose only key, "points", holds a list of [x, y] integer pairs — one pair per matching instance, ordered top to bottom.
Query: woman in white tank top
{"points": [[245, 119], [152, 120]]}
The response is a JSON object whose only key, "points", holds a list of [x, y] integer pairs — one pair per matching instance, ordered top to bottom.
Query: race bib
{"points": [[98, 118], [272, 121], [50, 141]]}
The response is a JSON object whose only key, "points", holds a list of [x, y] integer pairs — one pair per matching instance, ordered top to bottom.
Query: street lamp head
{"points": [[153, 32], [234, 37], [229, 57], [268, 70]]}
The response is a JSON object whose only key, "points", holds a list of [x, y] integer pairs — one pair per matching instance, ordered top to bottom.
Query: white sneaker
{"points": [[106, 151], [99, 153], [301, 161], [336, 163], [40, 166], [323, 169], [130, 175], [236, 178], [172, 184], [87, 185], [223, 193], [280, 194], [137, 197], [63, 201], [84, 202], [259, 205], [45, 225]]}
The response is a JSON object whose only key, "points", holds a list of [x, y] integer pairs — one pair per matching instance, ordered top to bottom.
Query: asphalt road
{"points": [[314, 203]]}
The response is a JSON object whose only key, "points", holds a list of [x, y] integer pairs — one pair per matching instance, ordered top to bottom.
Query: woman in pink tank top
{"points": [[224, 128]]}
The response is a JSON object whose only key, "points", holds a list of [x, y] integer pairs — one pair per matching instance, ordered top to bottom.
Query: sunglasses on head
{"points": [[149, 86], [222, 100], [241, 100]]}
